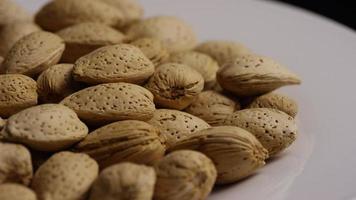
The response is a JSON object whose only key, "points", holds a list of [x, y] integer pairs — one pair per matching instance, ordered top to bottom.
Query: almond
{"points": [[131, 9], [10, 12], [59, 14], [11, 33], [174, 33], [81, 39], [153, 49], [222, 51], [33, 54], [116, 63], [202, 63], [254, 75], [56, 83], [175, 85], [17, 92], [276, 101], [111, 102], [213, 107], [2, 124], [175, 125], [47, 127], [274, 129], [129, 140], [235, 152], [15, 164], [65, 175], [184, 175], [124, 181], [12, 191]]}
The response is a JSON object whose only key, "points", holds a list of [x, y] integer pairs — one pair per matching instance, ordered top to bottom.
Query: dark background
{"points": [[341, 11]]}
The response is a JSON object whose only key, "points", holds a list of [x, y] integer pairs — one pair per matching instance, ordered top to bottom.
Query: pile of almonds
{"points": [[99, 103]]}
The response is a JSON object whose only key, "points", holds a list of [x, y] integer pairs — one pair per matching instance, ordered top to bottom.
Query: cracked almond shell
{"points": [[131, 9], [11, 12], [59, 14], [11, 33], [174, 33], [83, 38], [153, 49], [33, 54], [115, 63], [254, 75], [56, 83], [175, 85], [17, 92], [276, 101], [111, 102], [213, 107], [176, 125], [47, 127], [273, 128], [129, 140], [235, 152], [15, 164], [184, 174], [65, 175], [124, 181], [13, 191]]}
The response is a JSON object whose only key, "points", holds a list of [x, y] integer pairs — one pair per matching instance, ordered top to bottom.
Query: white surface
{"points": [[322, 164]]}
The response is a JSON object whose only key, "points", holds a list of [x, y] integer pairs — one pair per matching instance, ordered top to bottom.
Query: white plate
{"points": [[322, 163]]}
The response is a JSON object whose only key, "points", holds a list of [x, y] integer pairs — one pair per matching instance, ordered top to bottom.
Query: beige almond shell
{"points": [[131, 9], [11, 12], [59, 14], [11, 33], [174, 33], [83, 38], [153, 49], [222, 51], [33, 54], [115, 63], [202, 63], [251, 75], [56, 83], [175, 85], [17, 92], [276, 101], [112, 102], [213, 107], [2, 124], [176, 125], [46, 127], [273, 128], [129, 140], [235, 152], [15, 164], [184, 174], [65, 175], [124, 181], [13, 191]]}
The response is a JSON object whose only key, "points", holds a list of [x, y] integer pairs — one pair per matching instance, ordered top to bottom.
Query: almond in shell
{"points": [[131, 9], [11, 12], [153, 49], [13, 191]]}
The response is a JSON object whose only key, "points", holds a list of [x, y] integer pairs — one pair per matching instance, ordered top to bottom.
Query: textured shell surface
{"points": [[131, 9], [59, 14], [174, 33], [153, 49], [33, 54], [115, 63], [250, 75], [175, 85], [17, 92], [111, 102], [213, 107], [176, 125], [46, 127], [273, 128], [128, 140], [235, 152], [15, 164], [184, 174], [65, 175], [124, 181], [13, 191]]}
